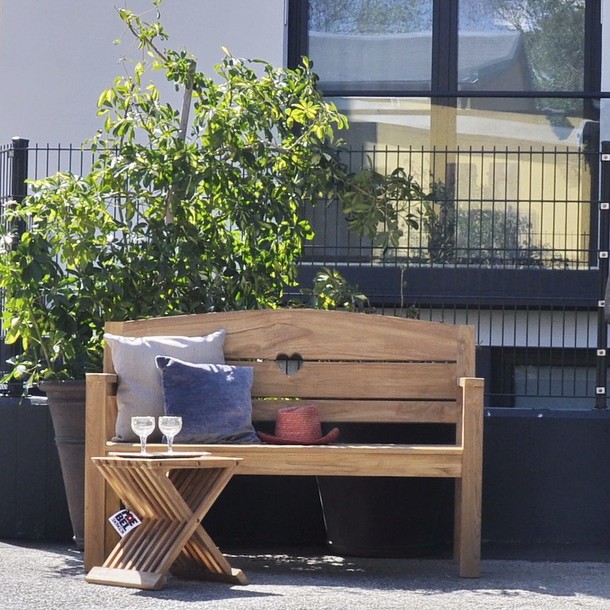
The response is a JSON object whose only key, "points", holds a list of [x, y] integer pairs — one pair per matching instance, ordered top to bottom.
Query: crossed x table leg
{"points": [[171, 497]]}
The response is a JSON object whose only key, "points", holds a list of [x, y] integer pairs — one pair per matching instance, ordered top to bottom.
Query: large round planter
{"points": [[66, 402], [388, 516]]}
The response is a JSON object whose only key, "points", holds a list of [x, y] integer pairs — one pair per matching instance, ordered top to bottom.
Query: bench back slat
{"points": [[312, 334], [356, 380], [368, 411]]}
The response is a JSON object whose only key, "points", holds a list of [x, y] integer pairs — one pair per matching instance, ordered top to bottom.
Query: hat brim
{"points": [[331, 437]]}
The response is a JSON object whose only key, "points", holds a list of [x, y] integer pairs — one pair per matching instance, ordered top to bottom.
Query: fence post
{"points": [[20, 168], [19, 175], [602, 250]]}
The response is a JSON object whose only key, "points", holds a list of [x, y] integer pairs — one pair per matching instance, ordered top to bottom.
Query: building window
{"points": [[365, 46], [447, 46], [476, 100]]}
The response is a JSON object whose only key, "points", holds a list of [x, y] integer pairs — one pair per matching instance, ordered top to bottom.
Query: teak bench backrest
{"points": [[354, 367]]}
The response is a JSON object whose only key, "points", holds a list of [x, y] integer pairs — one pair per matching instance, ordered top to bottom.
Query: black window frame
{"points": [[444, 82], [444, 90]]}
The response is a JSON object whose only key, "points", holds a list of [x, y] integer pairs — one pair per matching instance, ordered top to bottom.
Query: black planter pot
{"points": [[66, 401], [556, 495], [32, 498], [265, 512], [385, 516], [388, 516]]}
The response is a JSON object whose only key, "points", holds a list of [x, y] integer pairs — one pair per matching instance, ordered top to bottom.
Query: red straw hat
{"points": [[299, 425]]}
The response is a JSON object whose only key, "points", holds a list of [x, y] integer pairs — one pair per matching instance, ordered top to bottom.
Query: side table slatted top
{"points": [[170, 495]]}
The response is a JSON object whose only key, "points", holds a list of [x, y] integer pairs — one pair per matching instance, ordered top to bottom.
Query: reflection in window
{"points": [[371, 44], [508, 45], [511, 175], [514, 193]]}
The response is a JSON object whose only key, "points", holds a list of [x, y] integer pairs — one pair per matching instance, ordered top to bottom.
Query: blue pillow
{"points": [[214, 400]]}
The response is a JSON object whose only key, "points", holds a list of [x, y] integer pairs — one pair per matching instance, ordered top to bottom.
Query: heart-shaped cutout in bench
{"points": [[289, 364]]}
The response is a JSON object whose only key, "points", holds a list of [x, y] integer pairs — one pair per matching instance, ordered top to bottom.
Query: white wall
{"points": [[57, 56]]}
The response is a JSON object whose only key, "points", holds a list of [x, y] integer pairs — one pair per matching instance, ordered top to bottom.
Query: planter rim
{"points": [[59, 382], [55, 389], [22, 401], [514, 412]]}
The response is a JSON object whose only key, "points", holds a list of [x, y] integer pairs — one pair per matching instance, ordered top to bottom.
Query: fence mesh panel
{"points": [[507, 243]]}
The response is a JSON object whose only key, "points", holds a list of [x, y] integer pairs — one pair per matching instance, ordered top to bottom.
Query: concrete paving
{"points": [[46, 576]]}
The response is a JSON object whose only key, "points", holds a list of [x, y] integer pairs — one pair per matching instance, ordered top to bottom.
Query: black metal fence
{"points": [[513, 241]]}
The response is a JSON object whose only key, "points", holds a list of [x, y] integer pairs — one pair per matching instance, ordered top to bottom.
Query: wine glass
{"points": [[170, 425], [143, 426]]}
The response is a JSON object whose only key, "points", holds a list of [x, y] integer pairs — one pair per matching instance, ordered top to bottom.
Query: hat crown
{"points": [[299, 423]]}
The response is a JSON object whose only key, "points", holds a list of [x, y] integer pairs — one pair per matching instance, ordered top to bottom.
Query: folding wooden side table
{"points": [[170, 496]]}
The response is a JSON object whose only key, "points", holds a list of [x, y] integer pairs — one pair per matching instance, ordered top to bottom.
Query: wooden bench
{"points": [[356, 368]]}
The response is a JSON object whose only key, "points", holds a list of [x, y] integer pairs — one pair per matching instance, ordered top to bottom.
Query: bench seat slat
{"points": [[336, 459]]}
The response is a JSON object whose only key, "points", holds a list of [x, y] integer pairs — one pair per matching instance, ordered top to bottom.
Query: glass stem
{"points": [[142, 444]]}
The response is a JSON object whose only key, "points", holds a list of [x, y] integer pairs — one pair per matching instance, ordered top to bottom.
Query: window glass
{"points": [[359, 45], [514, 45], [494, 122], [511, 186], [513, 190]]}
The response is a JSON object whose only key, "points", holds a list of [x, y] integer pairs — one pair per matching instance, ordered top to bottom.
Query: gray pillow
{"points": [[139, 390], [214, 401]]}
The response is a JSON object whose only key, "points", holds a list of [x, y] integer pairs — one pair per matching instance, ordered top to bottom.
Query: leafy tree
{"points": [[377, 205], [180, 216], [171, 218], [332, 291]]}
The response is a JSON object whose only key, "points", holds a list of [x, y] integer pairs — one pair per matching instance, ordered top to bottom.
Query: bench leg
{"points": [[468, 490], [467, 548]]}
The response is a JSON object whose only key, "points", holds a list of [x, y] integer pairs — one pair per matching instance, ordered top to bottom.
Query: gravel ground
{"points": [[50, 576]]}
